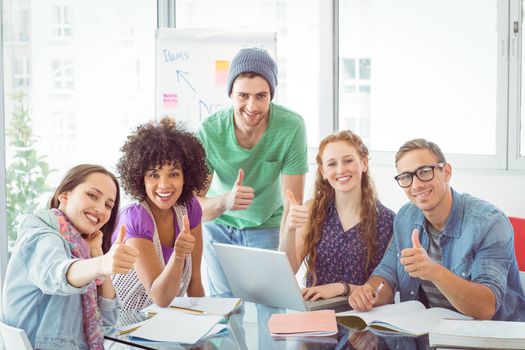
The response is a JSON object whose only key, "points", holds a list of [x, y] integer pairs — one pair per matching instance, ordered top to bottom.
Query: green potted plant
{"points": [[27, 172]]}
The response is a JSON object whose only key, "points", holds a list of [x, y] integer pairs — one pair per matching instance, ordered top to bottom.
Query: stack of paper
{"points": [[202, 305], [311, 323], [179, 327], [479, 334]]}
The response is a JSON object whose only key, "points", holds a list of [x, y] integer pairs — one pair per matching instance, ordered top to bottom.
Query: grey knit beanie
{"points": [[253, 60]]}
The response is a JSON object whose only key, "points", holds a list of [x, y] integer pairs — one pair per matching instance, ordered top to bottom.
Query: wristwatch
{"points": [[346, 290]]}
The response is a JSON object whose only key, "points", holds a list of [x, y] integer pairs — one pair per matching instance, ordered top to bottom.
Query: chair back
{"points": [[518, 224], [14, 338]]}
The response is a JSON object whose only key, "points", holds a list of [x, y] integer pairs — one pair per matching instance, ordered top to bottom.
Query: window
{"points": [[16, 18], [61, 22], [420, 69], [21, 73], [62, 73], [82, 91], [355, 91], [63, 133]]}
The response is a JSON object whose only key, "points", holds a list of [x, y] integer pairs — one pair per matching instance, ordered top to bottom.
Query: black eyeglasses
{"points": [[424, 173]]}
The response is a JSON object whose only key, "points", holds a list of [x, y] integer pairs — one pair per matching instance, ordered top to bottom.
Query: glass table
{"points": [[246, 333]]}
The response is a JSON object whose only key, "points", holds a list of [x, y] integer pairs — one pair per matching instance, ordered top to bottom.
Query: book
{"points": [[200, 305], [408, 317], [320, 323], [479, 334]]}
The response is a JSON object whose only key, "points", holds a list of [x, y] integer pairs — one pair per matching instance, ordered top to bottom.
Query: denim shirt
{"points": [[477, 245], [36, 295]]}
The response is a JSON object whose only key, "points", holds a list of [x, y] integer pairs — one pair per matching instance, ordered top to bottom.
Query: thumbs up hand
{"points": [[240, 196], [297, 213], [415, 239], [185, 241], [120, 258], [416, 260]]}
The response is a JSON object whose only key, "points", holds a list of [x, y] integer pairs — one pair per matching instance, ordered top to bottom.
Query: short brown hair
{"points": [[420, 144]]}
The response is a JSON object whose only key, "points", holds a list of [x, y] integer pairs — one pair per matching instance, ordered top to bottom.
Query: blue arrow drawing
{"points": [[180, 75]]}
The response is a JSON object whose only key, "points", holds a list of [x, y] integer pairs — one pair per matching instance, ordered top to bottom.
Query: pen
{"points": [[378, 289], [186, 310], [128, 330]]}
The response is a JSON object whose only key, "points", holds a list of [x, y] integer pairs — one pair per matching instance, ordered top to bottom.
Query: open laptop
{"points": [[265, 277]]}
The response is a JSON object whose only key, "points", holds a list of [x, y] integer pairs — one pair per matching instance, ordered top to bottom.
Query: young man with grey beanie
{"points": [[256, 150]]}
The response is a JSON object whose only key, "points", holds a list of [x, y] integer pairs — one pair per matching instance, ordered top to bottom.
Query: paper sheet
{"points": [[207, 305], [178, 327]]}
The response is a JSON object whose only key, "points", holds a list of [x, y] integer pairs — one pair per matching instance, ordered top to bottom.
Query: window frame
{"points": [[515, 44], [3, 205]]}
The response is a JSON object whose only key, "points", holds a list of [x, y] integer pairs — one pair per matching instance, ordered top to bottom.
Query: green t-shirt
{"points": [[282, 149]]}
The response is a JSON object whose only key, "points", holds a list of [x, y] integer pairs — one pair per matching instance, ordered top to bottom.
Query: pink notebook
{"points": [[311, 323]]}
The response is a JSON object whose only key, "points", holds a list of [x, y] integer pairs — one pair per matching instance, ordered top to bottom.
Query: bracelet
{"points": [[346, 287]]}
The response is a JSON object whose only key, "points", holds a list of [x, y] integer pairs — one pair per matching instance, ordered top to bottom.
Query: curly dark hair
{"points": [[156, 144]]}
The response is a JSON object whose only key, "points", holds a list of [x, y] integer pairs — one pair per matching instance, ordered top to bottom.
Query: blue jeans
{"points": [[217, 233]]}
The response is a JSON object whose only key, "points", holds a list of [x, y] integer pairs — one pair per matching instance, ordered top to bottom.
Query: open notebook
{"points": [[409, 317]]}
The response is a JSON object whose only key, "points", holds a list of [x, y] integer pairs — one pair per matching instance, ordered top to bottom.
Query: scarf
{"points": [[91, 319]]}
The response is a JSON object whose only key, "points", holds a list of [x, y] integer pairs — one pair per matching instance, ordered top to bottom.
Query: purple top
{"points": [[139, 224], [341, 255]]}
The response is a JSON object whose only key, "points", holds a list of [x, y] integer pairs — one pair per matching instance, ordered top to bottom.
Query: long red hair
{"points": [[324, 192]]}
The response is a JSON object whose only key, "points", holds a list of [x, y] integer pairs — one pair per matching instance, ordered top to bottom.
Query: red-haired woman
{"points": [[343, 231]]}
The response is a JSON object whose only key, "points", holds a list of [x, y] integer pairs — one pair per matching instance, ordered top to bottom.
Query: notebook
{"points": [[265, 277], [408, 317], [320, 323], [479, 334]]}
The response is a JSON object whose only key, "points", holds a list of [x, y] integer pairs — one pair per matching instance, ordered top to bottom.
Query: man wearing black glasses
{"points": [[449, 249]]}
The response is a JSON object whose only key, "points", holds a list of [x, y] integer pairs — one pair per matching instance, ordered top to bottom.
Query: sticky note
{"points": [[221, 72], [170, 100]]}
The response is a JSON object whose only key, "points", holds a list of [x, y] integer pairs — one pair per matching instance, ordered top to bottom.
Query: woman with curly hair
{"points": [[161, 166], [344, 230]]}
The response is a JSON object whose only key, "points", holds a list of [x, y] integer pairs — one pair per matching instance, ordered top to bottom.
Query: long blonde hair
{"points": [[322, 195]]}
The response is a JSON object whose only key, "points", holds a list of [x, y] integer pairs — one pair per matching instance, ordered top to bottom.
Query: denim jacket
{"points": [[477, 245], [36, 295]]}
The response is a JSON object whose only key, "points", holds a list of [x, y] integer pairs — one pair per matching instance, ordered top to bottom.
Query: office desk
{"points": [[246, 335]]}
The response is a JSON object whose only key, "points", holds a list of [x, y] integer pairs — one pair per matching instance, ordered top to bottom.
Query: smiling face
{"points": [[251, 102], [342, 167], [164, 185], [431, 196], [89, 204]]}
